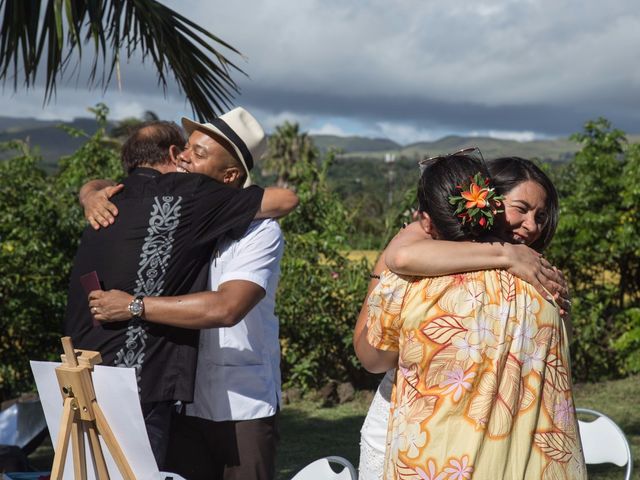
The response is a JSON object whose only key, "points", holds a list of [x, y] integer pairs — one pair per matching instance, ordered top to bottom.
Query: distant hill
{"points": [[46, 135], [53, 143], [354, 144], [560, 149]]}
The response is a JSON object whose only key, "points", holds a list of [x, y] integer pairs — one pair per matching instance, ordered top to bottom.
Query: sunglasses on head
{"points": [[473, 152]]}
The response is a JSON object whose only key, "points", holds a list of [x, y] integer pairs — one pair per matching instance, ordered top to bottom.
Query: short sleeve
{"points": [[223, 210], [257, 255], [385, 308]]}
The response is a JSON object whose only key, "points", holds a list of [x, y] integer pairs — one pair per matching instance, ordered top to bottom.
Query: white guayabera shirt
{"points": [[238, 374]]}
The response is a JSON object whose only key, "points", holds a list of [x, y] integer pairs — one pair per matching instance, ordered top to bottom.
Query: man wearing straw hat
{"points": [[168, 225], [230, 430]]}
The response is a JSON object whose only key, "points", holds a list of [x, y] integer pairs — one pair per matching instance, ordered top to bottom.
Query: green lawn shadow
{"points": [[309, 432]]}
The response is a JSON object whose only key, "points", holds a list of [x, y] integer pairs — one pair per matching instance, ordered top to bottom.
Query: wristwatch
{"points": [[136, 307]]}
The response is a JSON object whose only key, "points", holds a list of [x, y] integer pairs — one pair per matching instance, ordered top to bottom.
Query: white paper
{"points": [[117, 394]]}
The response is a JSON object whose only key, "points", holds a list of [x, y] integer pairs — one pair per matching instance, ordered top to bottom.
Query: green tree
{"points": [[54, 31], [290, 155], [40, 226], [598, 246], [320, 290]]}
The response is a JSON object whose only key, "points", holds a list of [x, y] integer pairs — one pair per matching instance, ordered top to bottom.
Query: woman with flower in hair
{"points": [[530, 218], [483, 384]]}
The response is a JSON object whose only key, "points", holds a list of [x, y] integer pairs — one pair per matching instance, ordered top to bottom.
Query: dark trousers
{"points": [[157, 419], [200, 449]]}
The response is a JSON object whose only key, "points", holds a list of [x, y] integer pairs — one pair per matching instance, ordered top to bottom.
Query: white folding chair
{"points": [[604, 442], [321, 470]]}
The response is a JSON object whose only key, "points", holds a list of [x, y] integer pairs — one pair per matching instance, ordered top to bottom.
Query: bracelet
{"points": [[373, 275]]}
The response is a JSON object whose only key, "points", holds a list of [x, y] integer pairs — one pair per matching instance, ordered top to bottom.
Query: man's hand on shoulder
{"points": [[95, 199]]}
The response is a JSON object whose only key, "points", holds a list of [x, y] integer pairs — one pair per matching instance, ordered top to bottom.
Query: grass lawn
{"points": [[310, 432]]}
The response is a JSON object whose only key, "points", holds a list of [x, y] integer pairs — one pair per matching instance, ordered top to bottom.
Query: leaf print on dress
{"points": [[507, 286], [434, 288], [391, 290], [462, 298], [374, 306], [442, 329], [374, 332], [547, 336], [412, 351], [441, 363], [557, 375], [409, 387], [527, 399], [480, 405], [495, 406], [555, 445], [554, 471], [406, 472]]}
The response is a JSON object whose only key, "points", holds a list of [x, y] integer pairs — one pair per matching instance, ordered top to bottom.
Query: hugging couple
{"points": [[472, 326]]}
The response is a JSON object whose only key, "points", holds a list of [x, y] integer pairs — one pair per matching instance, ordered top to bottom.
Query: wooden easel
{"points": [[81, 413]]}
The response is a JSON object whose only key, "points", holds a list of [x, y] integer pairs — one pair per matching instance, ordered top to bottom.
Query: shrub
{"points": [[40, 226], [598, 246]]}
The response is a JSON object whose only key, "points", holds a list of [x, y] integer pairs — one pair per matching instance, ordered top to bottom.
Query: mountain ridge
{"points": [[53, 143]]}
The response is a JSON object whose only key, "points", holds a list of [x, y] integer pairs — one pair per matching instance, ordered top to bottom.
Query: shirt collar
{"points": [[146, 172]]}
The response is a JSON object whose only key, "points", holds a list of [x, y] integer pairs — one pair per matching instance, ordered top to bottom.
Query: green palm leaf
{"points": [[51, 31]]}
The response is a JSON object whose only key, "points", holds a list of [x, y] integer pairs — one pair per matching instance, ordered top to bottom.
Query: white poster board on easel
{"points": [[116, 392]]}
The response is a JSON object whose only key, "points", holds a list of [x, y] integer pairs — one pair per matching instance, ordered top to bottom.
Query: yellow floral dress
{"points": [[483, 388]]}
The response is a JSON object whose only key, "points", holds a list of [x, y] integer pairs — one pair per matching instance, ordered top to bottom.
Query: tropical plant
{"points": [[54, 31], [290, 154], [40, 227], [598, 246], [320, 290]]}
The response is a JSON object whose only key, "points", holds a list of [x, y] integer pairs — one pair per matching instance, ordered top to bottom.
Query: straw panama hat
{"points": [[241, 130]]}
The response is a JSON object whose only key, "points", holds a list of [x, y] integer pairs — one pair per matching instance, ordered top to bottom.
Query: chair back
{"points": [[604, 442], [321, 470]]}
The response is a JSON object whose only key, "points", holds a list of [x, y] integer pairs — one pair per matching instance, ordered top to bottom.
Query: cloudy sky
{"points": [[409, 70]]}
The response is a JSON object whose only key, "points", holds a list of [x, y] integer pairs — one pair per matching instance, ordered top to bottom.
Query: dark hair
{"points": [[149, 144], [509, 172], [439, 180]]}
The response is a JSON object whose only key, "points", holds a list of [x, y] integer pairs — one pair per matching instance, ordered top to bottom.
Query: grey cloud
{"points": [[535, 65], [552, 120]]}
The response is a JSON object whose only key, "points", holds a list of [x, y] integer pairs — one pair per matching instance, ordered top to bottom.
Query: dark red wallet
{"points": [[90, 282]]}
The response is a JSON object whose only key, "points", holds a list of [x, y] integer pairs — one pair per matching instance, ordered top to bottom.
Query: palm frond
{"points": [[171, 42]]}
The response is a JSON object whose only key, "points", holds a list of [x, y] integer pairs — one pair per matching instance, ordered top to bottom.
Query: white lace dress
{"points": [[373, 435]]}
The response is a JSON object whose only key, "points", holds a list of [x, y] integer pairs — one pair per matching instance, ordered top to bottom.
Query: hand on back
{"points": [[98, 209]]}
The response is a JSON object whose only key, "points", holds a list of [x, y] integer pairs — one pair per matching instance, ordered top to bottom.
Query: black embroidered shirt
{"points": [[160, 244]]}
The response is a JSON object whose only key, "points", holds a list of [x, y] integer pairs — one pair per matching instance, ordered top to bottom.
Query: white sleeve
{"points": [[256, 255]]}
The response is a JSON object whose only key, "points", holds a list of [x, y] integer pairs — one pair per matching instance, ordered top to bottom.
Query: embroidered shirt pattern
{"points": [[154, 259]]}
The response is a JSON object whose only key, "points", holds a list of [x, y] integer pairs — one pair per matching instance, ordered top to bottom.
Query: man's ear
{"points": [[174, 151], [231, 175], [427, 224]]}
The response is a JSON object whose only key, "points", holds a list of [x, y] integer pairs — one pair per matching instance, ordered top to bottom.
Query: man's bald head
{"points": [[149, 145]]}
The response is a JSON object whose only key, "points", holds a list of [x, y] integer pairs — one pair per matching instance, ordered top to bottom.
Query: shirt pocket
{"points": [[241, 344]]}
